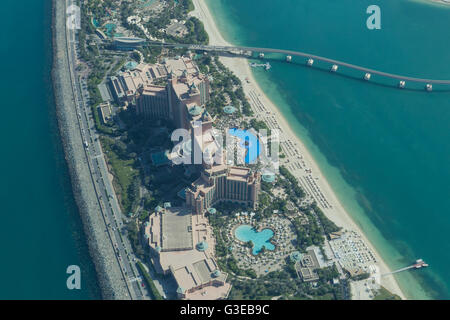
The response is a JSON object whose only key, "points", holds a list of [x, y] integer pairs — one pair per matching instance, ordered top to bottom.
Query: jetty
{"points": [[266, 65], [419, 264]]}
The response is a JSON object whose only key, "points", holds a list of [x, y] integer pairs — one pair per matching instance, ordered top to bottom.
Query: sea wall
{"points": [[101, 249]]}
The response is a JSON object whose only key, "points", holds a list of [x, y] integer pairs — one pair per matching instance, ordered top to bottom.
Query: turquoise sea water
{"points": [[385, 151], [41, 232], [259, 239]]}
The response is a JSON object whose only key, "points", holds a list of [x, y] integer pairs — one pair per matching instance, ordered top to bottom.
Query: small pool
{"points": [[146, 3], [95, 22], [110, 27], [130, 65], [250, 142], [259, 239]]}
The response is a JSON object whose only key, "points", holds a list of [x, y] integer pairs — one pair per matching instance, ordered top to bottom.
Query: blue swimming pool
{"points": [[146, 3], [95, 22], [110, 27], [250, 142], [259, 239]]}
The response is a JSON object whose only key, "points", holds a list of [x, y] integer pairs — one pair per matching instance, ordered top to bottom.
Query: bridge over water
{"points": [[335, 64]]}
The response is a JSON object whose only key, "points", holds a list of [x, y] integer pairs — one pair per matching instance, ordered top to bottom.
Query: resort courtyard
{"points": [[272, 241]]}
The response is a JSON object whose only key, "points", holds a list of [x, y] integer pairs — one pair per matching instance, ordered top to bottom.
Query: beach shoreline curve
{"points": [[241, 68]]}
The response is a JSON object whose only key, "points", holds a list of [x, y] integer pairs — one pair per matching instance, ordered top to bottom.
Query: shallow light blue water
{"points": [[385, 151], [259, 239]]}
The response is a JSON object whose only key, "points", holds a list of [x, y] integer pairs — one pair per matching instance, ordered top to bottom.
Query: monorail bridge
{"points": [[310, 59]]}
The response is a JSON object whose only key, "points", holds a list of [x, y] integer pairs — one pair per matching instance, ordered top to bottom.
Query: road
{"points": [[107, 199]]}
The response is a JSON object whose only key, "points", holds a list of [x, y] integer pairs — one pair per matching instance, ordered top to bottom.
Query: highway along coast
{"points": [[110, 253]]}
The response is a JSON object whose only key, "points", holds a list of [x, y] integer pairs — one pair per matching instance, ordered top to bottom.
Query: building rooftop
{"points": [[176, 29], [177, 66], [136, 76], [106, 112], [238, 173], [176, 229], [196, 270]]}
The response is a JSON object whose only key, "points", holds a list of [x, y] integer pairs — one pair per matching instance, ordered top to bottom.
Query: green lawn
{"points": [[123, 171]]}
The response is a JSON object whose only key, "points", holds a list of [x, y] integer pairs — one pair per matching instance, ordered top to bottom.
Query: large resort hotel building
{"points": [[125, 85], [186, 88], [182, 101], [219, 183], [180, 239], [182, 244]]}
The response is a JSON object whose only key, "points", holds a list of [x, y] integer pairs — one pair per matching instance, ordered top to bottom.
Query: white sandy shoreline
{"points": [[442, 1], [242, 70]]}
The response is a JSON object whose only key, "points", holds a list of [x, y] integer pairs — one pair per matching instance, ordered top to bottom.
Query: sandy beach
{"points": [[442, 1], [306, 170]]}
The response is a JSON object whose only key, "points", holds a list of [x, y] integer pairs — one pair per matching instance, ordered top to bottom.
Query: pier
{"points": [[310, 58], [266, 66], [419, 264]]}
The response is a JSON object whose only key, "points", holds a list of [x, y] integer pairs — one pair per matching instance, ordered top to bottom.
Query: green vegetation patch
{"points": [[124, 171], [152, 288]]}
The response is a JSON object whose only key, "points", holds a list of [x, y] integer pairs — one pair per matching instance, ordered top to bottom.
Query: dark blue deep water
{"points": [[40, 232]]}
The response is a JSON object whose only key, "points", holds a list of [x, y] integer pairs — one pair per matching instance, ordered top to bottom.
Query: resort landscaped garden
{"points": [[261, 246]]}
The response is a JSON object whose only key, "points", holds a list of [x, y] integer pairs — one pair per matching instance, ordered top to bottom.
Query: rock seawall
{"points": [[101, 249]]}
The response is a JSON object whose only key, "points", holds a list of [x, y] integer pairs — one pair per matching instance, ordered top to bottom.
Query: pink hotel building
{"points": [[182, 101]]}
